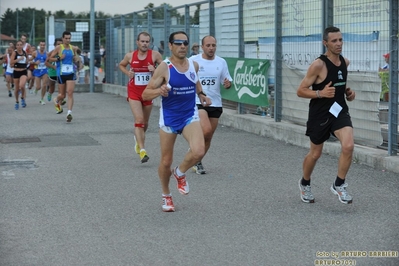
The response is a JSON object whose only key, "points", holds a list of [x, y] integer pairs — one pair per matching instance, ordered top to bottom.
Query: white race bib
{"points": [[22, 61], [41, 66], [66, 68], [142, 78], [208, 81], [335, 109]]}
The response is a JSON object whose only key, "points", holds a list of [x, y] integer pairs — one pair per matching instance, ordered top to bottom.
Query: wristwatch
{"points": [[201, 92]]}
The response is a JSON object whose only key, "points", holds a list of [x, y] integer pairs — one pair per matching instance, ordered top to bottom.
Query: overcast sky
{"points": [[111, 7]]}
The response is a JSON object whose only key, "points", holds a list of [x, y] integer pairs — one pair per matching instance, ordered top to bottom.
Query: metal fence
{"points": [[288, 33]]}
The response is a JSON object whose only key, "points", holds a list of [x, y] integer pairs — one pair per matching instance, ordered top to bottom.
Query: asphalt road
{"points": [[77, 194]]}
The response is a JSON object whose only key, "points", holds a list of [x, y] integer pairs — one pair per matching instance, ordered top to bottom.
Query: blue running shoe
{"points": [[23, 104], [16, 106]]}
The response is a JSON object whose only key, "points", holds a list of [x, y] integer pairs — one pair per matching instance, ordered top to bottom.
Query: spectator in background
{"points": [[152, 46], [161, 47], [194, 49], [102, 50], [104, 56], [86, 64], [97, 66], [386, 66], [81, 68], [384, 76]]}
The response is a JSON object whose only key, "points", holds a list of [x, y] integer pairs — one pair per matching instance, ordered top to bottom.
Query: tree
{"points": [[158, 12], [195, 19], [8, 23]]}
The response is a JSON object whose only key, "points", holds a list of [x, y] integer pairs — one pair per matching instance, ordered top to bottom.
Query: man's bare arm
{"points": [[124, 63], [157, 85]]}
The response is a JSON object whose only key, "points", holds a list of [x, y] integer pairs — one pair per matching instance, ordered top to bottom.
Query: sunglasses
{"points": [[180, 42]]}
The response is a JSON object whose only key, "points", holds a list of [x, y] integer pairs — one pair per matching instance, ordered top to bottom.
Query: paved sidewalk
{"points": [[77, 194]]}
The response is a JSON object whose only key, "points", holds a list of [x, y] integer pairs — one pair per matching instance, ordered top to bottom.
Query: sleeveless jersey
{"points": [[26, 48], [42, 58], [22, 63], [66, 64], [9, 68], [50, 71], [141, 73], [211, 74], [180, 105], [319, 108]]}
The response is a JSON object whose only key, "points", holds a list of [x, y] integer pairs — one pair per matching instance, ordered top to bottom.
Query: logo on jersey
{"points": [[340, 74], [192, 75]]}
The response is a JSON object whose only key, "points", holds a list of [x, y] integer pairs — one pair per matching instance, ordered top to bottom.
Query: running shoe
{"points": [[30, 91], [36, 91], [9, 94], [49, 96], [42, 102], [63, 102], [23, 103], [16, 106], [58, 107], [69, 118], [136, 146], [143, 156], [199, 169], [182, 184], [341, 192], [306, 193], [167, 204]]}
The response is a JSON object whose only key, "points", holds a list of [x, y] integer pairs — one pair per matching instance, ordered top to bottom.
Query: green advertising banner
{"points": [[249, 84]]}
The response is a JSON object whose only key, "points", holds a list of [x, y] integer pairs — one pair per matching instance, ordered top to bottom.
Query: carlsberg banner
{"points": [[249, 81]]}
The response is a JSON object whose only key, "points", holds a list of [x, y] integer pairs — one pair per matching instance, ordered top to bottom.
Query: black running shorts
{"points": [[18, 74], [64, 78], [214, 112], [319, 130]]}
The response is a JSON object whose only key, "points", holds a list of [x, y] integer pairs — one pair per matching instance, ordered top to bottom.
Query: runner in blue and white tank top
{"points": [[65, 54], [40, 71], [176, 81], [179, 108]]}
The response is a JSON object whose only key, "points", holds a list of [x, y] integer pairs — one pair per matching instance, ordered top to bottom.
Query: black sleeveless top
{"points": [[22, 63], [319, 107]]}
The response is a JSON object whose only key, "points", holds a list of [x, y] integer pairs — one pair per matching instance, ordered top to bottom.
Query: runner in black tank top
{"points": [[337, 75], [328, 113]]}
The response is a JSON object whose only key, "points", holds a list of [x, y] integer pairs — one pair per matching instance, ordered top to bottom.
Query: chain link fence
{"points": [[287, 33]]}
